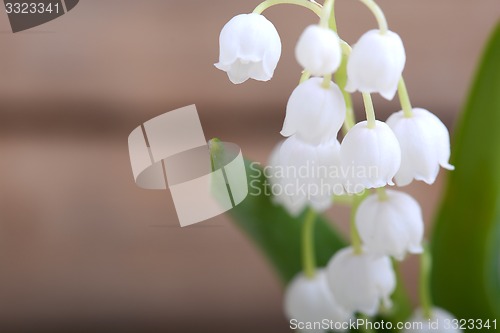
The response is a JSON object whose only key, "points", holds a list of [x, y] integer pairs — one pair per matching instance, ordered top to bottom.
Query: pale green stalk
{"points": [[315, 7], [378, 13], [305, 76], [404, 99], [370, 111], [382, 194], [355, 239], [308, 253], [424, 287]]}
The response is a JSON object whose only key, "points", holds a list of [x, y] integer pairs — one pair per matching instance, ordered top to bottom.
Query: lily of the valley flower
{"points": [[250, 47], [318, 50], [376, 63], [314, 113], [425, 145], [370, 156], [303, 174], [391, 225], [360, 282], [310, 300], [441, 321]]}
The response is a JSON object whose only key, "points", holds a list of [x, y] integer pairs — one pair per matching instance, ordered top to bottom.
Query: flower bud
{"points": [[250, 47], [318, 50], [376, 63], [314, 113], [425, 145], [370, 156], [305, 175], [390, 226], [360, 282], [311, 300], [440, 321]]}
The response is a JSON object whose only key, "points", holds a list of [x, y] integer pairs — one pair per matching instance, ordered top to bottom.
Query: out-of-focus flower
{"points": [[250, 47], [318, 50], [376, 63], [314, 113], [425, 145], [370, 156], [302, 174], [392, 225], [360, 282], [311, 301], [441, 321]]}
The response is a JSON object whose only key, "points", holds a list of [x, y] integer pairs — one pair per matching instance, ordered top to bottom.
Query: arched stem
{"points": [[313, 6]]}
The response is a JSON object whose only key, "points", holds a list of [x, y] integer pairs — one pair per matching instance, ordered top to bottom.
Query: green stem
{"points": [[315, 7], [378, 13], [326, 14], [332, 23], [305, 76], [327, 79], [341, 79], [404, 99], [370, 111], [382, 194], [355, 239], [308, 253], [424, 287]]}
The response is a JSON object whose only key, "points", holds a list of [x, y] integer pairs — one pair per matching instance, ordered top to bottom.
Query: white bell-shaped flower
{"points": [[250, 47], [318, 50], [376, 64], [314, 113], [425, 145], [370, 156], [303, 175], [392, 225], [360, 282], [310, 301], [441, 321]]}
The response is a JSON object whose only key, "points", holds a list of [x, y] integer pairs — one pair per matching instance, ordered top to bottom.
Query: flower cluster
{"points": [[412, 144]]}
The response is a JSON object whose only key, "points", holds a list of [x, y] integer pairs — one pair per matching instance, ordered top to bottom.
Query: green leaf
{"points": [[277, 233], [466, 241]]}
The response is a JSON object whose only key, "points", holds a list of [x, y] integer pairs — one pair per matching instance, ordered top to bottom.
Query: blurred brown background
{"points": [[81, 247]]}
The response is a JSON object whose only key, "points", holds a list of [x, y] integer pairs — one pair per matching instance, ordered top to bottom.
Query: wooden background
{"points": [[81, 247]]}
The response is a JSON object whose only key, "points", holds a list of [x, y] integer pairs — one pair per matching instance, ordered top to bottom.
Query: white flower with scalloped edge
{"points": [[250, 47], [318, 50], [376, 64], [314, 113], [425, 145], [370, 156], [303, 175], [390, 226], [361, 282], [310, 300], [437, 322]]}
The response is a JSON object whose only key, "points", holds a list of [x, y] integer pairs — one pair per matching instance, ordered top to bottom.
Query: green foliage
{"points": [[466, 242]]}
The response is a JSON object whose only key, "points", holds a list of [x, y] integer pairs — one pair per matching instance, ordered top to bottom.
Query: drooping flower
{"points": [[250, 47], [318, 50], [376, 63], [314, 113], [425, 145], [370, 156], [303, 175], [390, 226], [360, 282], [312, 301], [441, 321]]}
